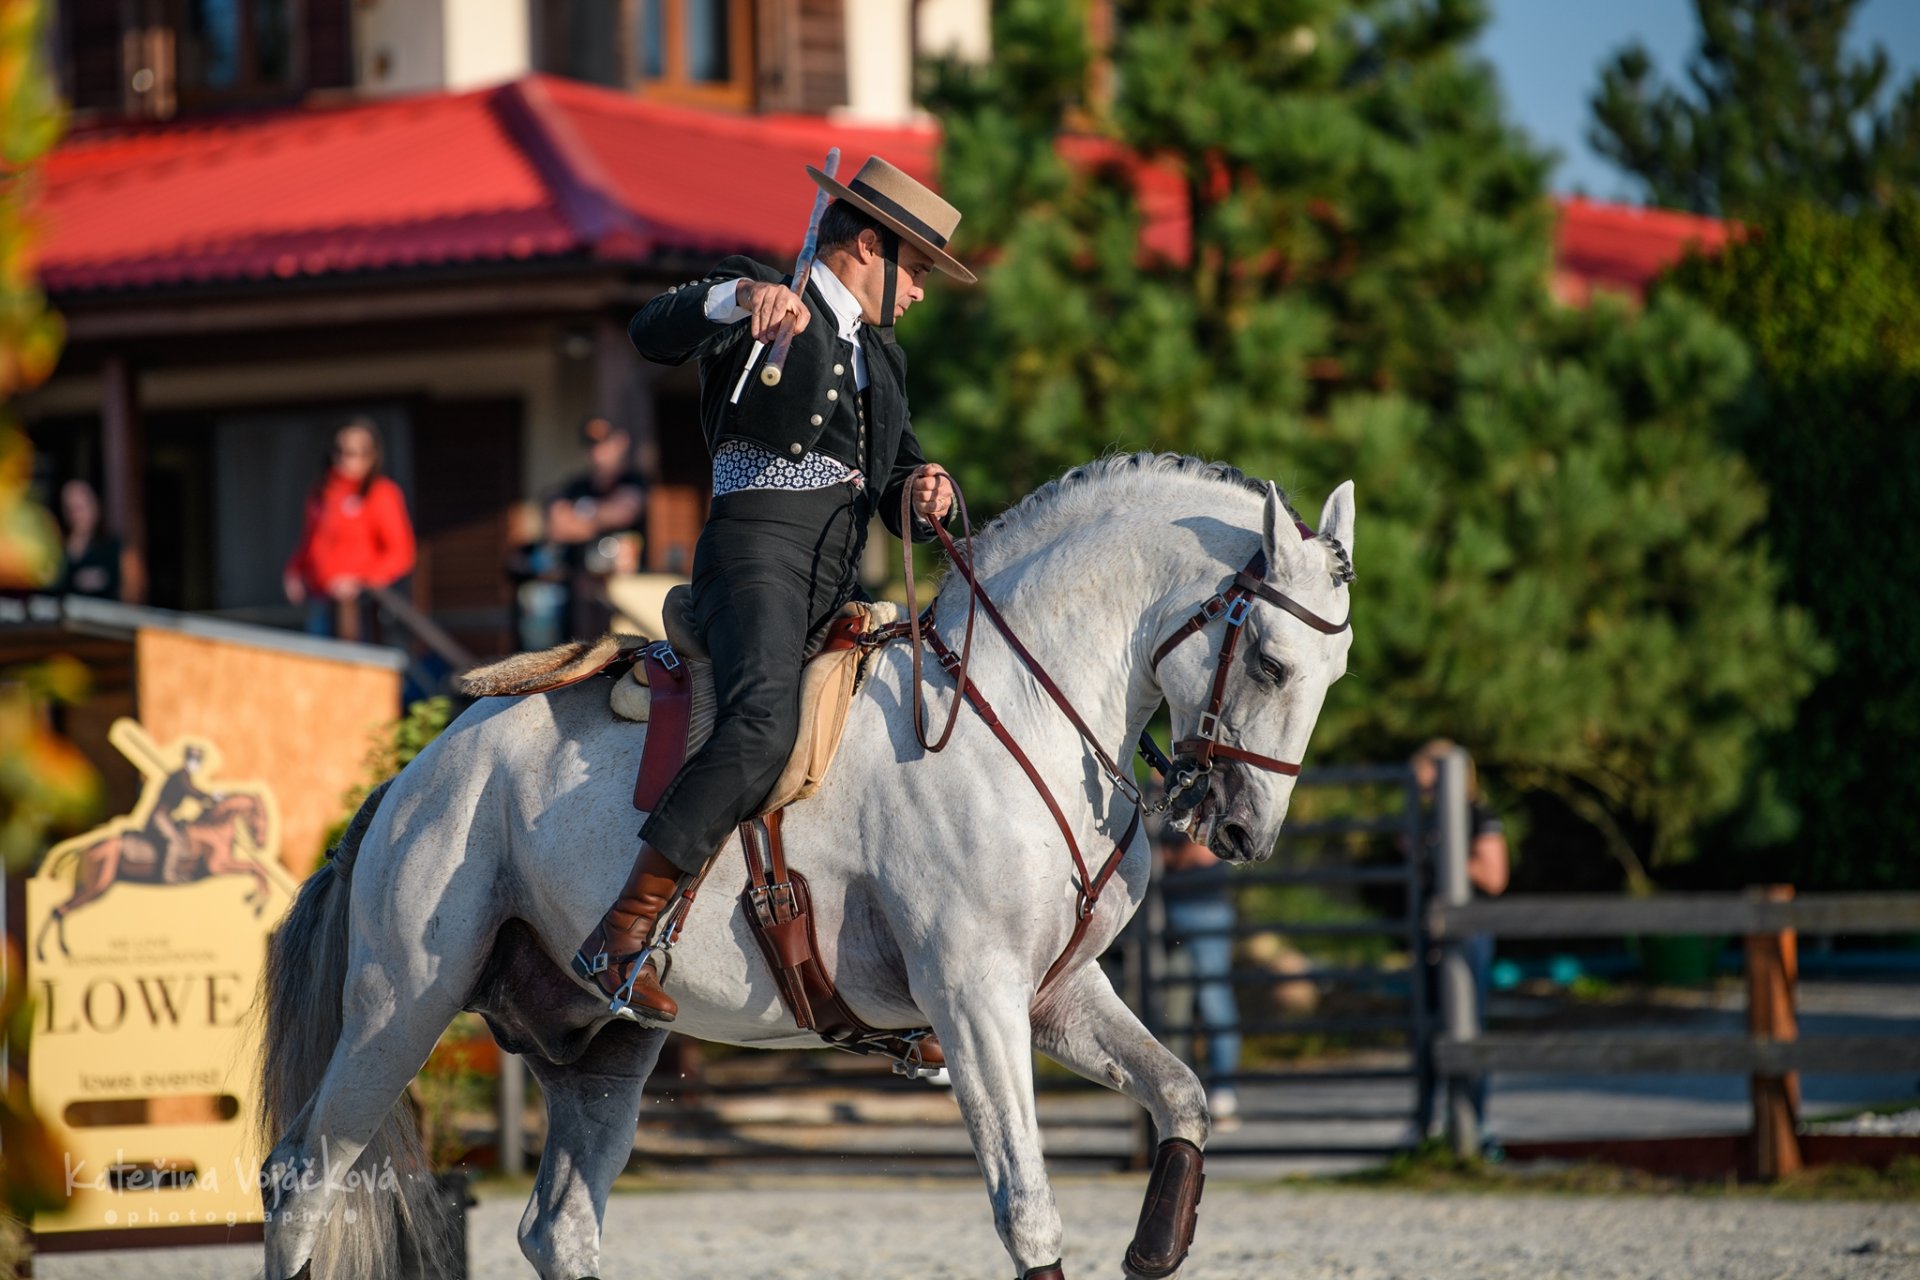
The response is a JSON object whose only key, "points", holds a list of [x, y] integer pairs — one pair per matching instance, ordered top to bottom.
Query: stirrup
{"points": [[622, 1003]]}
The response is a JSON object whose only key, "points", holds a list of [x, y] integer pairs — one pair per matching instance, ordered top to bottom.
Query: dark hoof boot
{"points": [[1170, 1213], [1051, 1271]]}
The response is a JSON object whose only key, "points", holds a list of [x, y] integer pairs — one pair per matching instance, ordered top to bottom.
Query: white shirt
{"points": [[723, 309]]}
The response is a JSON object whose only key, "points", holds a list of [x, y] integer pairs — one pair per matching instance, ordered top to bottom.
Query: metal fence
{"points": [[1330, 994]]}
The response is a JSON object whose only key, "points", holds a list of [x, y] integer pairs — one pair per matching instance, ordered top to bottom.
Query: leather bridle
{"points": [[1233, 603]]}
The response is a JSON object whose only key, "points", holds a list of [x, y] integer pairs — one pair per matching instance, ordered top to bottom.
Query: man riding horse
{"points": [[799, 467], [163, 829]]}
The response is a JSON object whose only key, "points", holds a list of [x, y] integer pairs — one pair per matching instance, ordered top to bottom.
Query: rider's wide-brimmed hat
{"points": [[922, 218]]}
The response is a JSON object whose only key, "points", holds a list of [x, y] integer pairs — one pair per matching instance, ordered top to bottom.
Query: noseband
{"points": [[1185, 785]]}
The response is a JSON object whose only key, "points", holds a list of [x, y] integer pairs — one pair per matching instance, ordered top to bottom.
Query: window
{"points": [[233, 49], [696, 51]]}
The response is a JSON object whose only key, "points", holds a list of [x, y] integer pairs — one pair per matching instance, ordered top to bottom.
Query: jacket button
{"points": [[839, 369], [832, 394], [816, 419], [796, 448]]}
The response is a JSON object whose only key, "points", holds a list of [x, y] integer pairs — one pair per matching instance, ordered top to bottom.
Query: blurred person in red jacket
{"points": [[357, 536]]}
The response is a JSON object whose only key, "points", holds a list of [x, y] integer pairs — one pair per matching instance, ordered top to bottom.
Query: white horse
{"points": [[942, 888]]}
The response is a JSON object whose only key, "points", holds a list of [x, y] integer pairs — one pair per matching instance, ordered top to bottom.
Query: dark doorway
{"points": [[466, 481]]}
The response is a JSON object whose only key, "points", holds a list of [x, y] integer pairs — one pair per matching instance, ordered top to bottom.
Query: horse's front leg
{"points": [[225, 862], [1084, 1026], [989, 1049]]}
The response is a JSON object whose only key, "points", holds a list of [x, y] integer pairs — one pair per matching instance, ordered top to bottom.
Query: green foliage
{"points": [[1776, 110], [1831, 309], [1558, 562], [392, 751], [47, 789]]}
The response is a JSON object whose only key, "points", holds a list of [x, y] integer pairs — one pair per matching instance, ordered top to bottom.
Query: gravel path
{"points": [[941, 1230]]}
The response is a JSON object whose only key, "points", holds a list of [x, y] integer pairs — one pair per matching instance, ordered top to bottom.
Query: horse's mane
{"points": [[1098, 488]]}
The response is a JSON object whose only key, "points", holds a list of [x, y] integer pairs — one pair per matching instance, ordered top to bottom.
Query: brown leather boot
{"points": [[614, 956]]}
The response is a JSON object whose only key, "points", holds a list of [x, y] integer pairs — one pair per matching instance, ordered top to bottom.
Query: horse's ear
{"points": [[1336, 518], [1280, 539]]}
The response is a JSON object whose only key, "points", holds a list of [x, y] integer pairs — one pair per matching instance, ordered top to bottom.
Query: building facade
{"points": [[270, 217]]}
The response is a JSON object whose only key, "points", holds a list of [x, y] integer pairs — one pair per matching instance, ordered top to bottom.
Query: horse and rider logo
{"points": [[189, 825]]}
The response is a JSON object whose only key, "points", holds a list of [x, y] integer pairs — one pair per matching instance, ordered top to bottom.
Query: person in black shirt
{"points": [[588, 518], [93, 556]]}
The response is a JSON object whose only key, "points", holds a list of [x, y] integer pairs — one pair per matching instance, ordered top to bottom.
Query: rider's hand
{"points": [[775, 309], [932, 492], [344, 588], [296, 590]]}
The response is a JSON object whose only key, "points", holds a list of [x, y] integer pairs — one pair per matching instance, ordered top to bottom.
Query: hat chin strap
{"points": [[890, 258]]}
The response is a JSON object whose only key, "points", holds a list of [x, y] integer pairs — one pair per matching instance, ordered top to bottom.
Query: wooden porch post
{"points": [[123, 440], [1773, 970]]}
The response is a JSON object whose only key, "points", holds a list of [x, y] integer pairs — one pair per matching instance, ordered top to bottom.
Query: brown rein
{"points": [[1234, 603]]}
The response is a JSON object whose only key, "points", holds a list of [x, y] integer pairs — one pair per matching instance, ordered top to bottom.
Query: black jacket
{"points": [[792, 418]]}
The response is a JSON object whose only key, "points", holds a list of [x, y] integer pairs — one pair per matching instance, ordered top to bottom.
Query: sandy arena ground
{"points": [[825, 1229]]}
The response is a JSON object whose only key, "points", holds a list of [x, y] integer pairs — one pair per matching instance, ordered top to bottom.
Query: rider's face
{"points": [[910, 278]]}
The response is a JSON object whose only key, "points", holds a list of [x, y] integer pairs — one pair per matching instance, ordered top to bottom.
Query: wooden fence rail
{"points": [[1582, 915], [1768, 919], [1673, 1053]]}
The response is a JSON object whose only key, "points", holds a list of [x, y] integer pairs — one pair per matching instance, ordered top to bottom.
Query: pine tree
{"points": [[1777, 110], [1831, 308], [1557, 559]]}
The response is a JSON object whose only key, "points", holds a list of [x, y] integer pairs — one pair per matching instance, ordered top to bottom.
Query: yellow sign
{"points": [[146, 938]]}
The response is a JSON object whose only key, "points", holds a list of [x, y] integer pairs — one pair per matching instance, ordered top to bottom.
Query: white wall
{"points": [[884, 38], [487, 41], [407, 46], [879, 65]]}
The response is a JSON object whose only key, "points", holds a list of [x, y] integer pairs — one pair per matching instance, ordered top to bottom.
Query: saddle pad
{"points": [[828, 684]]}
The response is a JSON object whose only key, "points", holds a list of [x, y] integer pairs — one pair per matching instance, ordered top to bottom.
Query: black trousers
{"points": [[770, 571]]}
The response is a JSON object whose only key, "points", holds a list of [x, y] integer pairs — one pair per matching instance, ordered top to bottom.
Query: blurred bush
{"points": [[46, 788]]}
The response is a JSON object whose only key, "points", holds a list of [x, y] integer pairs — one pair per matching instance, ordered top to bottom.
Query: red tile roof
{"points": [[549, 168], [533, 169], [1622, 248]]}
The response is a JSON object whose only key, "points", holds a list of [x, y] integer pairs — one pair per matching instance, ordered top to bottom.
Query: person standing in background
{"points": [[589, 518], [357, 535], [93, 556], [1487, 872], [1200, 923]]}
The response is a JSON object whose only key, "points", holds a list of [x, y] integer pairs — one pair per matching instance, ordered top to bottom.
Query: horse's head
{"points": [[1246, 684], [248, 809]]}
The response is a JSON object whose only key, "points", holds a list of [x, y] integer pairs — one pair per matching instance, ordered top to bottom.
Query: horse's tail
{"points": [[67, 857], [375, 1227]]}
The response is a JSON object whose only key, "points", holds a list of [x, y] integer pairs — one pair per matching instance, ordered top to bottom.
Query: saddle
{"points": [[669, 686]]}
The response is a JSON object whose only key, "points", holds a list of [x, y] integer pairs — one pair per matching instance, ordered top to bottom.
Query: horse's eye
{"points": [[1274, 671]]}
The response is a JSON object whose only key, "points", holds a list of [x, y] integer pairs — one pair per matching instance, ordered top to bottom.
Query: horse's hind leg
{"points": [[391, 1022], [1083, 1025], [989, 1049], [593, 1107]]}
